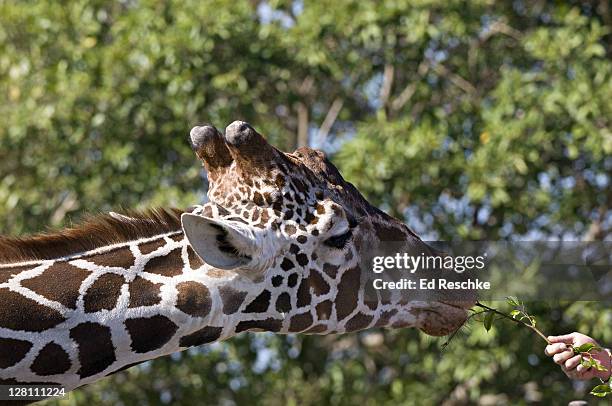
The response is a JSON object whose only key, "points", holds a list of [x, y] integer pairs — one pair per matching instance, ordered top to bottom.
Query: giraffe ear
{"points": [[222, 244]]}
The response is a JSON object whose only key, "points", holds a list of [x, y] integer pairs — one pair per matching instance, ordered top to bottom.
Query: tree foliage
{"points": [[471, 120]]}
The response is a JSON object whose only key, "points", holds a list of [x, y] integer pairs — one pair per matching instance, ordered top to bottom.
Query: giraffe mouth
{"points": [[460, 304], [441, 318]]}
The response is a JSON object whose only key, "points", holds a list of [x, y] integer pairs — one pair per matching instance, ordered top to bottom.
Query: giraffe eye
{"points": [[339, 241]]}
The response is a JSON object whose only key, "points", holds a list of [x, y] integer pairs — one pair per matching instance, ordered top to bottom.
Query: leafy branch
{"points": [[517, 315], [520, 316]]}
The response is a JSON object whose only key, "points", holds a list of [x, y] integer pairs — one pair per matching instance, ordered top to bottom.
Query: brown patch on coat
{"points": [[390, 233], [178, 237], [149, 247], [119, 258], [302, 259], [194, 260], [169, 265], [287, 265], [331, 270], [7, 273], [277, 280], [292, 280], [60, 283], [319, 285], [348, 290], [144, 292], [103, 293], [303, 294], [370, 295], [193, 299], [232, 299], [260, 303], [283, 303], [324, 310], [20, 313], [384, 318], [300, 322], [358, 322], [269, 324], [317, 329], [150, 333], [205, 335], [12, 351], [96, 351], [51, 360]]}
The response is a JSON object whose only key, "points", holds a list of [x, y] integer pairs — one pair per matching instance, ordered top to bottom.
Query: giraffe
{"points": [[276, 248]]}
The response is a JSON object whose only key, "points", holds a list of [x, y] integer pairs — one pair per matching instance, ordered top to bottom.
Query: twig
{"points": [[498, 27], [455, 79], [306, 85], [385, 90], [406, 94], [330, 119], [302, 134], [535, 329]]}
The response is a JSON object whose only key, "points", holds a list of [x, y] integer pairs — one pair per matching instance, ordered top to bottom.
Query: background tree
{"points": [[471, 120]]}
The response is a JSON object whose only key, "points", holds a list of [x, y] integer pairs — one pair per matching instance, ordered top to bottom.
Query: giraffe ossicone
{"points": [[279, 247]]}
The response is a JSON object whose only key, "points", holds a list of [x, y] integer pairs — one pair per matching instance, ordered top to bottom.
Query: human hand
{"points": [[560, 349]]}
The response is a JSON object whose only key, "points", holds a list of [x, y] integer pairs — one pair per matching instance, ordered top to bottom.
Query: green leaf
{"points": [[513, 301], [514, 313], [532, 320], [488, 321], [587, 347], [598, 366], [601, 390]]}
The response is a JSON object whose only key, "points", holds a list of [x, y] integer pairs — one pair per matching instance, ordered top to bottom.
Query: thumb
{"points": [[567, 339]]}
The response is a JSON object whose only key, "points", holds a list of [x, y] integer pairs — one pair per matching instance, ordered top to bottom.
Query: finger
{"points": [[567, 338], [554, 349], [560, 358], [572, 363], [581, 372], [572, 375]]}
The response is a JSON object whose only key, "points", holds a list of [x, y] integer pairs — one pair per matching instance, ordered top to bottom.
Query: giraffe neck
{"points": [[75, 319]]}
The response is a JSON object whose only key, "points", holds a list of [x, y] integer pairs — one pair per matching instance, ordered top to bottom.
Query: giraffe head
{"points": [[291, 224]]}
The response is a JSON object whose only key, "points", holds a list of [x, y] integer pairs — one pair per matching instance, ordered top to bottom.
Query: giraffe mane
{"points": [[93, 232]]}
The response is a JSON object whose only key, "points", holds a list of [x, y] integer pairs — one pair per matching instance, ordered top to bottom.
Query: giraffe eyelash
{"points": [[339, 241]]}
